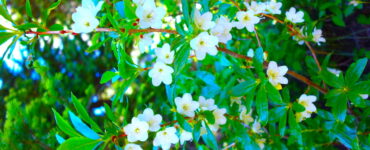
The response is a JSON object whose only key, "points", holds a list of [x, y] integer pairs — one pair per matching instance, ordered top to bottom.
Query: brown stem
{"points": [[236, 5], [294, 32], [291, 73]]}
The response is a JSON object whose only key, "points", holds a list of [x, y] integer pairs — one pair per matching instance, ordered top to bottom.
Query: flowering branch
{"points": [[103, 30]]}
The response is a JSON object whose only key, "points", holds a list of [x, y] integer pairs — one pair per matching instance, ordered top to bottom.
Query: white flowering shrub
{"points": [[202, 75]]}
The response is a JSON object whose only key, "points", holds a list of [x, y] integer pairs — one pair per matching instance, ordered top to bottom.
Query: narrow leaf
{"points": [[64, 125], [82, 127]]}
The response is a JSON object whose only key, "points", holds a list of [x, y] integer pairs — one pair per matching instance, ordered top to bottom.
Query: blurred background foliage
{"points": [[41, 74]]}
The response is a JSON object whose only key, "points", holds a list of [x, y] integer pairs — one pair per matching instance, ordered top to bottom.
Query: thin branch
{"points": [[236, 5], [258, 39], [291, 73]]}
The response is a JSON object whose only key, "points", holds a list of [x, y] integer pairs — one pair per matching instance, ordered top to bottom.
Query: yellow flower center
{"points": [[246, 18], [87, 24], [202, 43], [167, 56], [160, 70], [273, 74], [186, 107], [137, 130]]}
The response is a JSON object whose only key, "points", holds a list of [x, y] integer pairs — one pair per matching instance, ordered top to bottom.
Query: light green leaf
{"points": [[29, 9], [107, 76], [242, 88], [83, 113], [183, 123], [64, 125], [79, 143]]}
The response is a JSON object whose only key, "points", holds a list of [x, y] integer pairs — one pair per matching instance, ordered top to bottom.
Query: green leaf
{"points": [[29, 9], [129, 10], [186, 12], [5, 14], [26, 26], [56, 27], [5, 36], [96, 46], [181, 58], [258, 60], [355, 70], [107, 76], [331, 79], [242, 88], [273, 94], [262, 105], [298, 107], [339, 107], [108, 112], [83, 113], [276, 113], [210, 117], [183, 123], [282, 124], [64, 125], [294, 128], [196, 131], [209, 138], [80, 143]]}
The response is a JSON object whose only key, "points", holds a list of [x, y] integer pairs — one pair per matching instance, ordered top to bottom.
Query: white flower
{"points": [[142, 2], [355, 2], [89, 5], [255, 7], [274, 7], [150, 15], [293, 16], [246, 19], [84, 21], [204, 21], [222, 29], [317, 36], [301, 37], [145, 41], [204, 43], [250, 53], [165, 54], [334, 71], [161, 73], [276, 74], [364, 96], [307, 102], [208, 104], [186, 105], [246, 118], [220, 119], [153, 121], [256, 127], [137, 130], [185, 136], [166, 138], [261, 143], [132, 147]]}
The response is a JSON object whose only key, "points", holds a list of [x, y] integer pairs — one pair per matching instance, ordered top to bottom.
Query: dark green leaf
{"points": [[29, 9], [26, 26], [56, 27], [97, 45], [181, 58], [355, 70], [330, 79], [244, 87], [273, 94], [262, 105], [298, 107], [276, 113], [210, 117], [183, 123], [282, 124], [196, 131], [209, 138]]}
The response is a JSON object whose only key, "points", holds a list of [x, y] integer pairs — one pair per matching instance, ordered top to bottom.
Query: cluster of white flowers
{"points": [[150, 16], [85, 17], [161, 72], [276, 74], [307, 102], [246, 117], [138, 129]]}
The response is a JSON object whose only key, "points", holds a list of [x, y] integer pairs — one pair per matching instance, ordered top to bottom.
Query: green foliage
{"points": [[107, 70]]}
